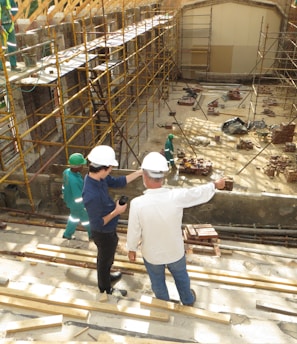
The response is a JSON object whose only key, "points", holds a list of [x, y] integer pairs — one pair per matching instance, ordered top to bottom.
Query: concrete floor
{"points": [[248, 324]]}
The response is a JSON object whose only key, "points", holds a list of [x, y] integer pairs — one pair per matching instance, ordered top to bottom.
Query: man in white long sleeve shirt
{"points": [[155, 221]]}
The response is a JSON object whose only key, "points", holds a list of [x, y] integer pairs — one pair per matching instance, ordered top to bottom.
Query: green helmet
{"points": [[171, 136], [77, 159]]}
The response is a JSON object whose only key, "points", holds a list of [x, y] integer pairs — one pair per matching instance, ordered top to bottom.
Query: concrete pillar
{"points": [[57, 18], [41, 21], [22, 25], [30, 56], [23, 125]]}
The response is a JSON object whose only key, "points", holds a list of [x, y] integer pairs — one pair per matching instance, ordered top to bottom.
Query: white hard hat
{"points": [[102, 156], [156, 164]]}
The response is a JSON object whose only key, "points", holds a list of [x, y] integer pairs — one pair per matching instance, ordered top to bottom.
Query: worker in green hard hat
{"points": [[169, 150], [72, 195]]}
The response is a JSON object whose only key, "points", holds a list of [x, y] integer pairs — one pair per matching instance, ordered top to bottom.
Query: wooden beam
{"points": [[196, 272], [242, 275], [243, 282], [79, 304], [42, 307], [271, 307], [186, 310], [33, 324]]}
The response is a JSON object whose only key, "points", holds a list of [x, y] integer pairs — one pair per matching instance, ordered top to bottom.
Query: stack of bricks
{"points": [[284, 134], [290, 147], [277, 164], [290, 174], [202, 234]]}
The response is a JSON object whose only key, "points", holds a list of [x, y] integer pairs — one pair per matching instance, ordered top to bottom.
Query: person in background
{"points": [[8, 9], [169, 149], [72, 194], [104, 212], [155, 224]]}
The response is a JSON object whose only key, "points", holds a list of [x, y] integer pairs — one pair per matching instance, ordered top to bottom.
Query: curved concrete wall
{"points": [[233, 31], [226, 207]]}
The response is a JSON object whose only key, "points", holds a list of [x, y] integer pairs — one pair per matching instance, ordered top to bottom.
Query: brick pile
{"points": [[283, 134], [290, 147], [277, 164], [198, 166], [290, 174]]}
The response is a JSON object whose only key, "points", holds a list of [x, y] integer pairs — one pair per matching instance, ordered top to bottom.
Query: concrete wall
{"points": [[234, 31], [226, 207]]}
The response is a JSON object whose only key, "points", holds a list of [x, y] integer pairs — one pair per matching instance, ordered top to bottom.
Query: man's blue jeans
{"points": [[182, 281]]}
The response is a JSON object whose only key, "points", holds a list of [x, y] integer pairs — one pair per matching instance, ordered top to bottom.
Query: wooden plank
{"points": [[191, 230], [64, 249], [62, 255], [122, 262], [241, 275], [243, 282], [82, 304], [43, 307], [271, 307], [187, 310], [33, 324], [103, 339], [12, 341]]}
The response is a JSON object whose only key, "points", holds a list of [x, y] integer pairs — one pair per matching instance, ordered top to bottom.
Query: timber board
{"points": [[83, 305], [43, 307], [186, 310], [33, 324]]}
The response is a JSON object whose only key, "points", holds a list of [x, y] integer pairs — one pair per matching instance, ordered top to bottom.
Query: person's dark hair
{"points": [[97, 169]]}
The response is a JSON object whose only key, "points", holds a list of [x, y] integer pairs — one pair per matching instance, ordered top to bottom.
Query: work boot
{"points": [[15, 69], [71, 238], [115, 276], [117, 292], [194, 295]]}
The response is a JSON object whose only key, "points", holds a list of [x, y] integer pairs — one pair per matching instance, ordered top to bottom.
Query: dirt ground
{"points": [[196, 134], [249, 324]]}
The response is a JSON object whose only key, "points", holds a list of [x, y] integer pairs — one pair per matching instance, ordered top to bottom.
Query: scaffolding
{"points": [[195, 47], [275, 76], [101, 84]]}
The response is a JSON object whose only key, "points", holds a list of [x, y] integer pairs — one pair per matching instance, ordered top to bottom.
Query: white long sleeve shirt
{"points": [[155, 221]]}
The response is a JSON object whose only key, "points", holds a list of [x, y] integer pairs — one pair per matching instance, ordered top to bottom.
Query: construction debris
{"points": [[234, 95], [186, 100], [214, 103], [212, 111], [268, 112], [234, 126], [283, 134], [245, 144], [290, 147], [277, 165], [198, 166], [290, 174], [202, 234]]}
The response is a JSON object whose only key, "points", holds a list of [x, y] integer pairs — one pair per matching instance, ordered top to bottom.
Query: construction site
{"points": [[219, 75]]}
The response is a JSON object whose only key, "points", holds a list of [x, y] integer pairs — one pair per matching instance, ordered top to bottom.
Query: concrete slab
{"points": [[248, 324]]}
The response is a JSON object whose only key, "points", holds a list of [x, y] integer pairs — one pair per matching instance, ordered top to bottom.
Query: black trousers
{"points": [[106, 247]]}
